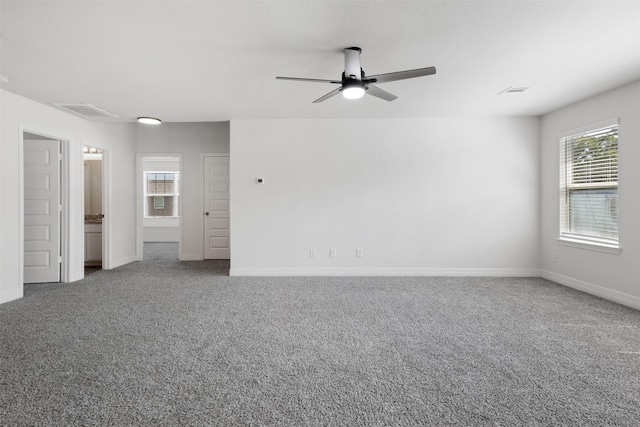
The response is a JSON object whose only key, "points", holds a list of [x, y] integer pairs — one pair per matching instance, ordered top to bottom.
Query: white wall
{"points": [[18, 114], [190, 140], [160, 164], [420, 196], [159, 232], [613, 276]]}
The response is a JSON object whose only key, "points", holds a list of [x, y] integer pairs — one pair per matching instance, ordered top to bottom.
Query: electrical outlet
{"points": [[333, 252], [358, 252], [313, 253], [554, 258]]}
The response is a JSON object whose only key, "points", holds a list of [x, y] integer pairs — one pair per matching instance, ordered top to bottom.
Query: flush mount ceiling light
{"points": [[149, 120]]}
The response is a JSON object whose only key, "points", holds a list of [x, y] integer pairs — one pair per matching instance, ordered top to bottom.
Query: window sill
{"points": [[591, 246]]}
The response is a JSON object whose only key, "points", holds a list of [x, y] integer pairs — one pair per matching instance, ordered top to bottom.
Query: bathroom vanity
{"points": [[92, 241]]}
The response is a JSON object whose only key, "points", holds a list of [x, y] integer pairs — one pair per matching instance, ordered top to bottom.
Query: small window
{"points": [[589, 186], [162, 192]]}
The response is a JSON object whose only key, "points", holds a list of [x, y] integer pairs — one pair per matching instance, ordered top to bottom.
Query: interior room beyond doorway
{"points": [[161, 199], [93, 209]]}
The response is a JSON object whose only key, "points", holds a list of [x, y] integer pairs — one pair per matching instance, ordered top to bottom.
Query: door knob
{"points": [[206, 213]]}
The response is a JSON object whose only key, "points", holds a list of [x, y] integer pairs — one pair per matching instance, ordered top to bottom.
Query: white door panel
{"points": [[216, 201], [219, 205], [37, 207], [41, 213], [37, 233]]}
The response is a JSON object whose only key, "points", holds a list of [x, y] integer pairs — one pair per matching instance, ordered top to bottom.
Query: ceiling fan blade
{"points": [[400, 75], [301, 79], [379, 93], [327, 96]]}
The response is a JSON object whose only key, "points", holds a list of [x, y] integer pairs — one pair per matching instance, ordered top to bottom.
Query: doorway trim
{"points": [[106, 209]]}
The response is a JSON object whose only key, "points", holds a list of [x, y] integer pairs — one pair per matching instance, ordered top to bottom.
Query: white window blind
{"points": [[589, 186], [161, 194]]}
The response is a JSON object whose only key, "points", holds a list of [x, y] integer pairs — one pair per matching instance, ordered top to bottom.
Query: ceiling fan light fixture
{"points": [[353, 89], [353, 92], [149, 120]]}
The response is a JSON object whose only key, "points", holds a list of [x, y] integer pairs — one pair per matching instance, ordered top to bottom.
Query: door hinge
{"points": [[59, 208], [60, 259]]}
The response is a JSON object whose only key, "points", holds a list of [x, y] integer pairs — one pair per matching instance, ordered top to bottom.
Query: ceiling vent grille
{"points": [[513, 89], [87, 111]]}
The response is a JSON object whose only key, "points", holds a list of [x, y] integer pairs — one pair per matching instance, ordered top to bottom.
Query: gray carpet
{"points": [[167, 343]]}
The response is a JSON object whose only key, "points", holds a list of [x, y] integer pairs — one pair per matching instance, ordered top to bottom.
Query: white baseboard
{"points": [[190, 257], [122, 261], [478, 272], [593, 289], [11, 296]]}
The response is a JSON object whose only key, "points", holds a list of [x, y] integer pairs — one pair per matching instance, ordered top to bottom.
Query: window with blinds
{"points": [[589, 186], [161, 193]]}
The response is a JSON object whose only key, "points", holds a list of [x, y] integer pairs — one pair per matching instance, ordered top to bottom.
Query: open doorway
{"points": [[161, 205], [94, 209]]}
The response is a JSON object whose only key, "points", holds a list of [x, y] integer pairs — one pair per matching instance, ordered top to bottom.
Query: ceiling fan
{"points": [[355, 84]]}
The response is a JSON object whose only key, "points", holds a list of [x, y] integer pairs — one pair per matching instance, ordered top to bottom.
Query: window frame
{"points": [[575, 239]]}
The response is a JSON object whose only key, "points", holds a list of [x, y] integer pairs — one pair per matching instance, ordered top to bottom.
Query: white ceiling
{"points": [[217, 60]]}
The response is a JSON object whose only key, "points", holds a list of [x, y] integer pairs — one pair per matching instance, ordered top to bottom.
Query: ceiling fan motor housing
{"points": [[352, 67]]}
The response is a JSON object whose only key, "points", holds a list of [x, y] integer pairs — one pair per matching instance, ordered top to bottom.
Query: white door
{"points": [[216, 204], [41, 211]]}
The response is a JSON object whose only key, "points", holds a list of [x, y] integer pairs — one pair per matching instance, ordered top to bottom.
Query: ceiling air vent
{"points": [[514, 89], [87, 111]]}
